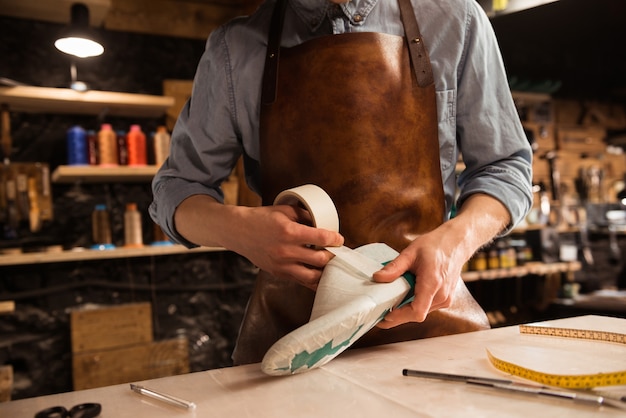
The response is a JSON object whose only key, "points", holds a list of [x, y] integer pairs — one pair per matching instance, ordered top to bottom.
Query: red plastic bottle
{"points": [[136, 143]]}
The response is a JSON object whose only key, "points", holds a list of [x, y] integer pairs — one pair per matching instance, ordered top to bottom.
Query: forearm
{"points": [[479, 220], [204, 221], [269, 236]]}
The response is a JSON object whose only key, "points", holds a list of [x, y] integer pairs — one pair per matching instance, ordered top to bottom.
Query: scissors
{"points": [[83, 410]]}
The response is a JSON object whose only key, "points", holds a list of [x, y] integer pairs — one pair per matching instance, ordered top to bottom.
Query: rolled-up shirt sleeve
{"points": [[204, 145], [497, 155]]}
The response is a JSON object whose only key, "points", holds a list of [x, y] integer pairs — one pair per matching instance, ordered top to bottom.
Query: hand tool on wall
{"points": [[5, 135], [5, 146], [555, 175], [544, 204], [34, 215], [555, 217], [584, 235]]}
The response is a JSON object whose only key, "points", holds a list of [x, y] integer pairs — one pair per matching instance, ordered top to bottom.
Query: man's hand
{"points": [[276, 239], [282, 244], [437, 257], [437, 272]]}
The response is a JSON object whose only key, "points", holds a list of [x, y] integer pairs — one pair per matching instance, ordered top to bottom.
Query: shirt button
{"points": [[358, 18]]}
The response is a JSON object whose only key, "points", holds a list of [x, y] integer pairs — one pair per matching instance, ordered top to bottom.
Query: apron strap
{"points": [[417, 49], [268, 93]]}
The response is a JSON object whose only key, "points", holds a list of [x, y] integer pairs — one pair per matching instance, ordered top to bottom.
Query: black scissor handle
{"points": [[83, 410], [54, 412]]}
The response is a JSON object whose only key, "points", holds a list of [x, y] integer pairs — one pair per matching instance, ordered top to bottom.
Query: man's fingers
{"points": [[392, 270], [306, 275], [400, 316]]}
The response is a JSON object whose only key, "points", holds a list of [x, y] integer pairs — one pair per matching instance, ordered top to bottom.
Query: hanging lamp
{"points": [[78, 38]]}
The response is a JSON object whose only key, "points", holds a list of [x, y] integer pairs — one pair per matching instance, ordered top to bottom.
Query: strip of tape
{"points": [[324, 215]]}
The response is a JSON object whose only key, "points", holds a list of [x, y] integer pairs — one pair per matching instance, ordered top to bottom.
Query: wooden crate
{"points": [[180, 90], [111, 327], [130, 364], [6, 383]]}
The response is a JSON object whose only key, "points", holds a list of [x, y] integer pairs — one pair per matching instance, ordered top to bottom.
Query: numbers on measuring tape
{"points": [[580, 334]]}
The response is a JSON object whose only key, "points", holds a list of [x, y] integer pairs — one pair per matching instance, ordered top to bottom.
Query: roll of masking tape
{"points": [[316, 201], [324, 215]]}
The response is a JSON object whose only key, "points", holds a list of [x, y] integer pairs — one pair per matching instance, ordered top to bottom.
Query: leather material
{"points": [[350, 117], [369, 142]]}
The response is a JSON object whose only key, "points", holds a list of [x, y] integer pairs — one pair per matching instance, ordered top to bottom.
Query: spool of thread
{"points": [[136, 143], [161, 145], [107, 146], [92, 147], [77, 148], [122, 148], [101, 228], [133, 236]]}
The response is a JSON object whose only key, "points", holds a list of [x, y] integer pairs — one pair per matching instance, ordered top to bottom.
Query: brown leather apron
{"points": [[355, 114]]}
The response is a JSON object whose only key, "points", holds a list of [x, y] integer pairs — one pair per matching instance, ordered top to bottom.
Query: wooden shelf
{"points": [[512, 6], [530, 97], [58, 100], [97, 174], [88, 254], [534, 268], [7, 306]]}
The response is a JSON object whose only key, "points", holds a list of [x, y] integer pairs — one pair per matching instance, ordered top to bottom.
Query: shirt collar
{"points": [[313, 12]]}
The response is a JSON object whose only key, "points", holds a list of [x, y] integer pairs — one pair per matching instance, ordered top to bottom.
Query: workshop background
{"points": [[568, 76]]}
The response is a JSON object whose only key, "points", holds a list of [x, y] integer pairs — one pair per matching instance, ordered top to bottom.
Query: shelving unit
{"points": [[33, 99], [59, 100], [97, 174], [89, 255], [534, 268]]}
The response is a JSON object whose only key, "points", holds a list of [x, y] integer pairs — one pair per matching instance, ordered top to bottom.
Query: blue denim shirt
{"points": [[477, 117]]}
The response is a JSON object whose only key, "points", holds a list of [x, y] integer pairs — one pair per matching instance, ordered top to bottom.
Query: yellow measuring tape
{"points": [[580, 334], [580, 381]]}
